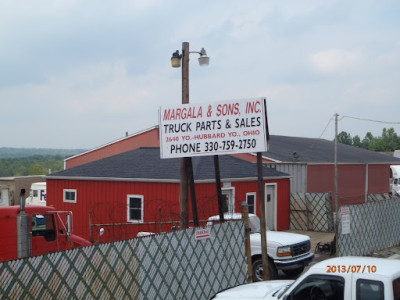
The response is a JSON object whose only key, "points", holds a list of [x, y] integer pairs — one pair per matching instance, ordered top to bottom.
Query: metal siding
{"points": [[298, 173], [320, 179], [378, 179], [351, 181], [283, 199], [108, 202]]}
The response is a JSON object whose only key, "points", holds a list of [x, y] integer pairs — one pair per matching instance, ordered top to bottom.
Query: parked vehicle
{"points": [[395, 180], [37, 195], [4, 196], [35, 230], [289, 252], [340, 278]]}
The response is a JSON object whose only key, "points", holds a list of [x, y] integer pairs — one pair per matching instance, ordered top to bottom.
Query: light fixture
{"points": [[176, 59], [204, 60]]}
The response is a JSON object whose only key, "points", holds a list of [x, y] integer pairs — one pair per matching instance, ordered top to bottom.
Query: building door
{"points": [[228, 200], [270, 205]]}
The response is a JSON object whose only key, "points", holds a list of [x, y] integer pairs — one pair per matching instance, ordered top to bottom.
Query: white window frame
{"points": [[70, 191], [255, 200], [231, 203], [141, 211]]}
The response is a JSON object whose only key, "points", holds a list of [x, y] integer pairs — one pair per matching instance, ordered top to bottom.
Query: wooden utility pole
{"points": [[336, 188], [184, 191], [192, 191], [219, 192], [245, 216], [263, 219]]}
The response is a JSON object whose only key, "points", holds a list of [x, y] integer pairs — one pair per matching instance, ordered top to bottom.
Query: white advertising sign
{"points": [[226, 127], [345, 217]]}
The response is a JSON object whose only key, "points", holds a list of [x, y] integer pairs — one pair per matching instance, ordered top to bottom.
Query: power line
{"points": [[370, 120], [326, 127]]}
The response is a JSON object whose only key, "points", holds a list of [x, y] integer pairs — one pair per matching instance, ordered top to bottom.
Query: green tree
{"points": [[345, 138], [390, 139], [357, 141], [367, 141], [388, 142], [32, 165], [37, 169]]}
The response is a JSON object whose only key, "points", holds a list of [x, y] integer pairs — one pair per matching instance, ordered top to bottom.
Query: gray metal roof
{"points": [[312, 150], [145, 163]]}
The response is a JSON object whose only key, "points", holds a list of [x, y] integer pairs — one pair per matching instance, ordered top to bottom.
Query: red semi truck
{"points": [[35, 230]]}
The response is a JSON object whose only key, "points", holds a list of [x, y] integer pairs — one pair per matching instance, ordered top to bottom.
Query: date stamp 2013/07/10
{"points": [[351, 269]]}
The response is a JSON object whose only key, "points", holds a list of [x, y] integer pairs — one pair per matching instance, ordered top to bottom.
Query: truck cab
{"points": [[49, 231], [289, 252], [340, 278]]}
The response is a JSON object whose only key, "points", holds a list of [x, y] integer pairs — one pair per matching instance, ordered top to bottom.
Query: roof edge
{"points": [[112, 142], [161, 180]]}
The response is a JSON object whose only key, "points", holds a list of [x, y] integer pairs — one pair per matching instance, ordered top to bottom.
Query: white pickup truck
{"points": [[289, 252], [340, 278]]}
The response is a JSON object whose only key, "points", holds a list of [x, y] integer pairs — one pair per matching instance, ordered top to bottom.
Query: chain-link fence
{"points": [[311, 211], [369, 227], [175, 265]]}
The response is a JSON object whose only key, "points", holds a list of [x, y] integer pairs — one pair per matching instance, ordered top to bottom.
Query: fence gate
{"points": [[311, 211]]}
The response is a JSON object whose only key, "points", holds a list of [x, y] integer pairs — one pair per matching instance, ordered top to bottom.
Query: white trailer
{"points": [[395, 179], [37, 195], [4, 196]]}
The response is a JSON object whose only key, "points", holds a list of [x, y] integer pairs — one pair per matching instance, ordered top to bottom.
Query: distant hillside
{"points": [[6, 152], [33, 161]]}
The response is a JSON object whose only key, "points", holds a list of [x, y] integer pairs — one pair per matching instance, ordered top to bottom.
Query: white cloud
{"points": [[335, 61], [84, 72]]}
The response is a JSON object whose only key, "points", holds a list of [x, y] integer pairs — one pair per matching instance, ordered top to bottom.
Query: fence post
{"points": [[307, 211], [245, 215]]}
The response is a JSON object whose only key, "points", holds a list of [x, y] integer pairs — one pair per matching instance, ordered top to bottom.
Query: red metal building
{"points": [[309, 161], [137, 187]]}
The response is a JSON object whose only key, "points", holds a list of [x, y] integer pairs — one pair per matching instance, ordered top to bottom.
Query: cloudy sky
{"points": [[79, 74]]}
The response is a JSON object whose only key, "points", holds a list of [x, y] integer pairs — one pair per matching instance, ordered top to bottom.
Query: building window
{"points": [[70, 196], [228, 200], [251, 202], [135, 208]]}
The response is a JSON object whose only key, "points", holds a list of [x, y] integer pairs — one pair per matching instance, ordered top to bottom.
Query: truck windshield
{"points": [[254, 224]]}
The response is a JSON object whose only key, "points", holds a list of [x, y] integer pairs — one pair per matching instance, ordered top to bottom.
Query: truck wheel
{"points": [[258, 270], [294, 272]]}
